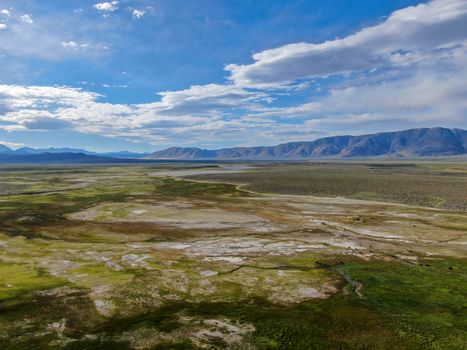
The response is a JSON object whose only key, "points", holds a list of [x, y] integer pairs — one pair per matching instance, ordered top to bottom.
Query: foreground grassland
{"points": [[107, 257]]}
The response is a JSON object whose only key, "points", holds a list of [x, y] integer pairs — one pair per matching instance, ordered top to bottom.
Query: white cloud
{"points": [[107, 6], [5, 12], [138, 13], [27, 19], [3, 26], [416, 30], [48, 38], [71, 44], [74, 45], [415, 79], [121, 86], [432, 92], [433, 95], [18, 96], [210, 96], [192, 112]]}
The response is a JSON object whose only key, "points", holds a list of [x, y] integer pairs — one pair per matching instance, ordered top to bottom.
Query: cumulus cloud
{"points": [[107, 6], [5, 12], [138, 13], [27, 19], [3, 26], [415, 30], [48, 38], [71, 44], [74, 45], [408, 71], [430, 93], [427, 94], [18, 96], [208, 97], [196, 111], [46, 123]]}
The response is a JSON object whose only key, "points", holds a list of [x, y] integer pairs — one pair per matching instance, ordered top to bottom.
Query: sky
{"points": [[143, 75]]}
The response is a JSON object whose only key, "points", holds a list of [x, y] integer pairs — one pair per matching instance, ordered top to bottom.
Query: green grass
{"points": [[173, 188], [98, 274], [19, 279], [427, 301], [403, 307], [23, 320], [98, 345]]}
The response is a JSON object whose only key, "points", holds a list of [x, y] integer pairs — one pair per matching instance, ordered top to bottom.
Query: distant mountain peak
{"points": [[420, 142], [25, 151]]}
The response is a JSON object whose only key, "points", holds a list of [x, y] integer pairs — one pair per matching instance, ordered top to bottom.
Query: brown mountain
{"points": [[407, 143]]}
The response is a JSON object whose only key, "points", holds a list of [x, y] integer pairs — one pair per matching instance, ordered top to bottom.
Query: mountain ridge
{"points": [[419, 142], [29, 151]]}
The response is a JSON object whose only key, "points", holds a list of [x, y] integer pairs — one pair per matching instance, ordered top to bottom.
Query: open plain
{"points": [[341, 255]]}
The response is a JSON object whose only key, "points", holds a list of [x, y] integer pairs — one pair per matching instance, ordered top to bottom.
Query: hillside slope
{"points": [[408, 143]]}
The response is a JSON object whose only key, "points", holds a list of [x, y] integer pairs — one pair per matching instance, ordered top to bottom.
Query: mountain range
{"points": [[420, 142], [408, 143], [31, 151]]}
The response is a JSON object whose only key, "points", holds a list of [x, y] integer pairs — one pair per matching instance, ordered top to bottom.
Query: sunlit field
{"points": [[267, 256]]}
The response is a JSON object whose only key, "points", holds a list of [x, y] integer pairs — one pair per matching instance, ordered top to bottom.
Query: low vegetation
{"points": [[436, 185], [106, 257]]}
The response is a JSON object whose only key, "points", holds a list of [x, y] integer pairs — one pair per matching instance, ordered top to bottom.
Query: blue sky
{"points": [[143, 75]]}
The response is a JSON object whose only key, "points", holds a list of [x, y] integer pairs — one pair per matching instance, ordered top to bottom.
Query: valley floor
{"points": [[135, 257]]}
